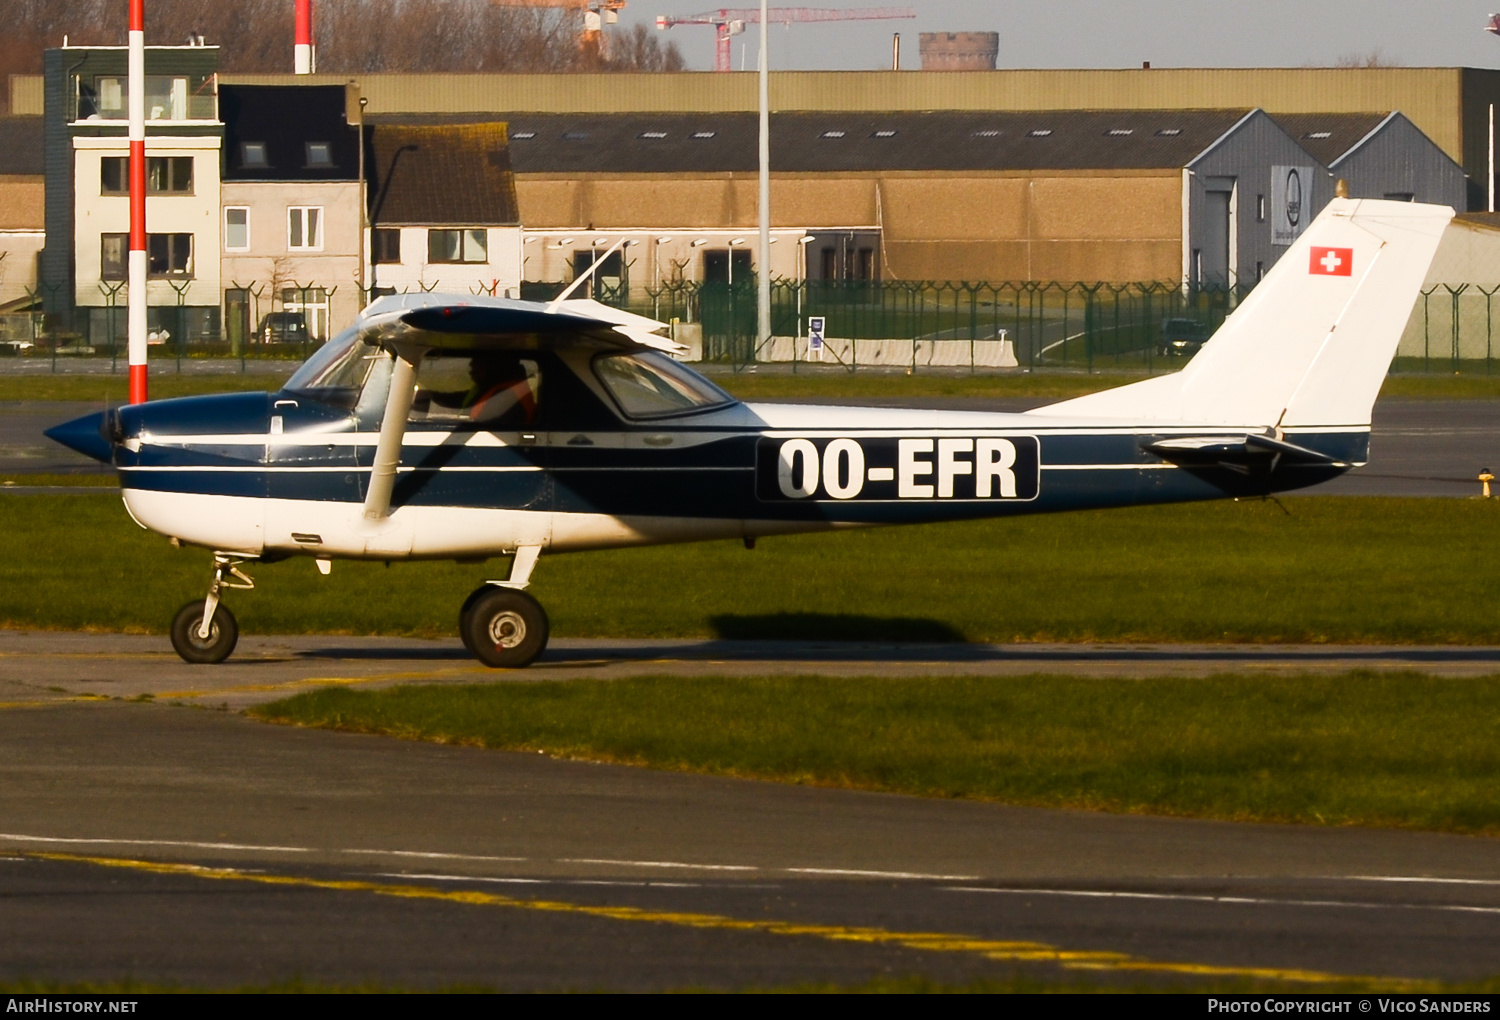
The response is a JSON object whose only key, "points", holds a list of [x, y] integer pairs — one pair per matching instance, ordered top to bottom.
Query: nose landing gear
{"points": [[500, 624], [206, 632]]}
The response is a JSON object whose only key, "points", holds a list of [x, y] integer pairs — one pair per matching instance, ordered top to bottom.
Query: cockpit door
{"points": [[473, 437]]}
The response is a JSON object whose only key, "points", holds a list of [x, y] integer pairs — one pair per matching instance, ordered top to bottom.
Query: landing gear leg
{"points": [[500, 624], [206, 632]]}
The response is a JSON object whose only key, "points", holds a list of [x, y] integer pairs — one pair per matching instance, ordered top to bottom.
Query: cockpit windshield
{"points": [[337, 373], [652, 385]]}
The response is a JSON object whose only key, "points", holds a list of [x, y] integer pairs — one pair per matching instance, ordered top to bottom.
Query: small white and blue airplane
{"points": [[460, 428]]}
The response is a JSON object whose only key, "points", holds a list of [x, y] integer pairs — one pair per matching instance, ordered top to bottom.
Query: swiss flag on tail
{"points": [[1332, 262]]}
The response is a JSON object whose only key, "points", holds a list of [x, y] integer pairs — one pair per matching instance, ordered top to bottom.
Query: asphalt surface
{"points": [[1418, 447], [40, 668], [161, 841], [199, 848]]}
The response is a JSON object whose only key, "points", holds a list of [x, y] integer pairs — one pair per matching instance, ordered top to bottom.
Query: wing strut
{"points": [[392, 432]]}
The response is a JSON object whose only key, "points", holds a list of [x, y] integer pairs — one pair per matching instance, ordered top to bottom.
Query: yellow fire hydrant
{"points": [[1485, 478]]}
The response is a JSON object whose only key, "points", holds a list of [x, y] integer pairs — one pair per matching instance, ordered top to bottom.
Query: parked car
{"points": [[282, 328], [1181, 338]]}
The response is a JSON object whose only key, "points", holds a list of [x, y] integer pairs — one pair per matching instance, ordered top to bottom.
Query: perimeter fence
{"points": [[1146, 327]]}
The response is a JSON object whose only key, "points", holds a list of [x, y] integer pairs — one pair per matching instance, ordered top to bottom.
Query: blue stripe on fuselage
{"points": [[710, 479]]}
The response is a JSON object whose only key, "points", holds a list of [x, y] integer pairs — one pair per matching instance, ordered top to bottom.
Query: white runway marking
{"points": [[11, 837], [18, 838], [433, 856], [658, 864], [881, 874], [464, 878], [1419, 880], [543, 881], [1245, 900]]}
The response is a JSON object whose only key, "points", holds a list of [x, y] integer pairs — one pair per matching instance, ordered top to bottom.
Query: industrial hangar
{"points": [[1101, 176]]}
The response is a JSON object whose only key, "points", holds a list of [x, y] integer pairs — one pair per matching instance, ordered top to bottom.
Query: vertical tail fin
{"points": [[1313, 341]]}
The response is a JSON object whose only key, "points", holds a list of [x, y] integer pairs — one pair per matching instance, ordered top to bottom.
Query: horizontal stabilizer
{"points": [[1242, 453]]}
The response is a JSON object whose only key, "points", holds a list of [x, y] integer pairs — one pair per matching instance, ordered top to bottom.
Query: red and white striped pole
{"points": [[302, 59], [136, 314]]}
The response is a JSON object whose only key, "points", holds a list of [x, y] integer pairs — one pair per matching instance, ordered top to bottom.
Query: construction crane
{"points": [[596, 14], [731, 21]]}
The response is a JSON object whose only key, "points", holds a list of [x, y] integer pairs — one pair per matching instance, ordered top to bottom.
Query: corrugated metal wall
{"points": [[1433, 98], [1396, 161]]}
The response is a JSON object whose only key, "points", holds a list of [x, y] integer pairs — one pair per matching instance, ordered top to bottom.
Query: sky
{"points": [[1118, 33]]}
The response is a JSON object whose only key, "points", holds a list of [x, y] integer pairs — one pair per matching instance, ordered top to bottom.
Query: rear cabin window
{"points": [[652, 385]]}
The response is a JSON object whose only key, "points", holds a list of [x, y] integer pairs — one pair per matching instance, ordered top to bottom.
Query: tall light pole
{"points": [[302, 50], [763, 280], [135, 316]]}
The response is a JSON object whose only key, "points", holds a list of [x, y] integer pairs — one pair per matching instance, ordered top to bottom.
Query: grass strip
{"points": [[825, 385], [808, 386], [113, 388], [91, 480], [1335, 570], [1362, 748]]}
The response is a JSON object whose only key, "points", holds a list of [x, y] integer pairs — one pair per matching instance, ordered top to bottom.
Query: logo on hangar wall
{"points": [[893, 469]]}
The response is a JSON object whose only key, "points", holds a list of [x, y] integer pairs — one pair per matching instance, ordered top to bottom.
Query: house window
{"points": [[168, 97], [319, 154], [253, 156], [114, 175], [165, 175], [169, 175], [236, 228], [304, 228], [468, 245], [385, 246], [112, 248], [169, 255], [312, 302]]}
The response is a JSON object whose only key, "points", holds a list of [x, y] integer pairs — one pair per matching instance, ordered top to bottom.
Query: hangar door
{"points": [[1213, 263]]}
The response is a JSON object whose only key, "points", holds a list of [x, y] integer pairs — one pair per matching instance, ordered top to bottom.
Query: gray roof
{"points": [[1328, 136], [853, 142], [21, 147]]}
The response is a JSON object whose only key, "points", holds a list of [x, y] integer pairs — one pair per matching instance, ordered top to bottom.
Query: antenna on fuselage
{"points": [[557, 301]]}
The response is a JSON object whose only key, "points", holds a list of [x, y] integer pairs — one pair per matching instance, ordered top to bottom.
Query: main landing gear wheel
{"points": [[504, 628], [223, 634]]}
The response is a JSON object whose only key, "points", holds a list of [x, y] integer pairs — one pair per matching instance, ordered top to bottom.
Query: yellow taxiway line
{"points": [[1007, 951]]}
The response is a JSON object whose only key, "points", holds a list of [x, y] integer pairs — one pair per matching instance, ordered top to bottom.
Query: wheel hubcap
{"points": [[507, 629], [197, 639]]}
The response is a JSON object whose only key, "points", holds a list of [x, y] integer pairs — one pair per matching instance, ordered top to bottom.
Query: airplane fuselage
{"points": [[273, 475]]}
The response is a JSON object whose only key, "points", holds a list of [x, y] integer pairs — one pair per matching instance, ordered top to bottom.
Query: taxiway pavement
{"points": [[48, 667], [198, 848]]}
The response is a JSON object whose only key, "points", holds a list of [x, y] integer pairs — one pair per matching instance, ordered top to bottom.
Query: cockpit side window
{"points": [[337, 373], [652, 385], [487, 389]]}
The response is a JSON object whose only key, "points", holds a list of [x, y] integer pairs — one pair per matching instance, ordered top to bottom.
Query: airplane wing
{"points": [[449, 321]]}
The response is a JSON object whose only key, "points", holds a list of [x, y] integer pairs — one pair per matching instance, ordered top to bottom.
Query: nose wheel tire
{"points": [[504, 628], [223, 634]]}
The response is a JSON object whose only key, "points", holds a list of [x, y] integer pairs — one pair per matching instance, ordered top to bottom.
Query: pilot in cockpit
{"points": [[502, 392]]}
